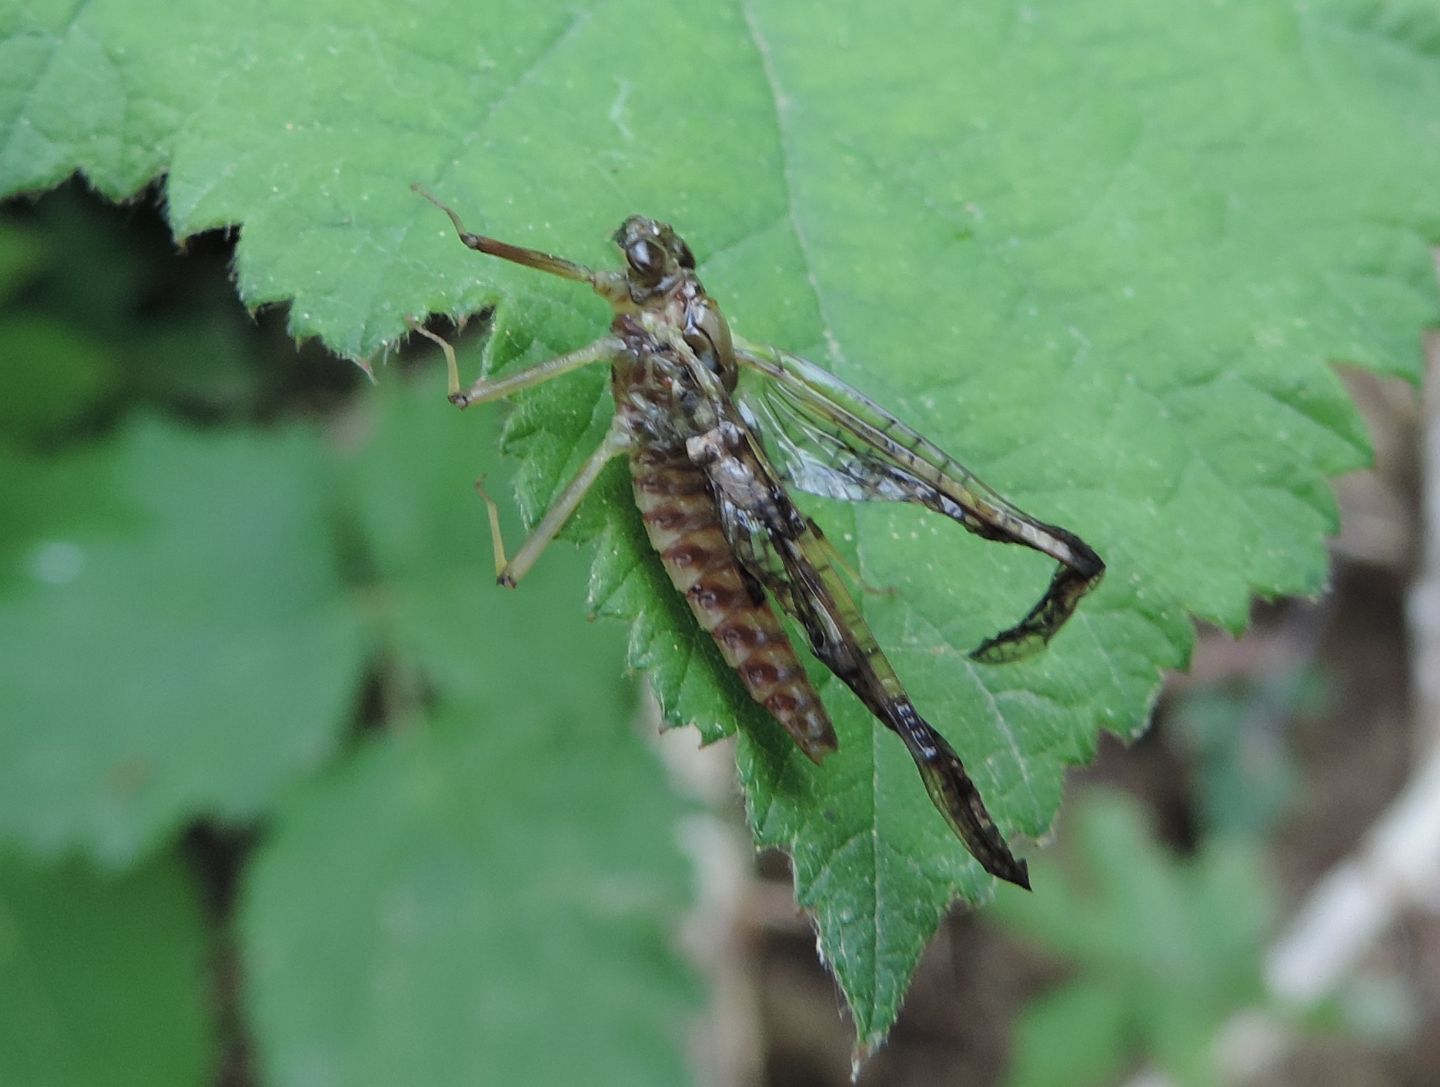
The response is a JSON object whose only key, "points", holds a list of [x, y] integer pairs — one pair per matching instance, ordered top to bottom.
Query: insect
{"points": [[710, 460]]}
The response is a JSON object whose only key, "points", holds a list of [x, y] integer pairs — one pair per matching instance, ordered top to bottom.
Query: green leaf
{"points": [[19, 256], [1117, 305], [57, 372], [36, 399], [179, 639], [1246, 777], [488, 896], [1167, 949], [102, 978], [1073, 1036]]}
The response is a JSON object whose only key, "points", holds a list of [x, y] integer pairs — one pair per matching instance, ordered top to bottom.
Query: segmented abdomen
{"points": [[681, 520]]}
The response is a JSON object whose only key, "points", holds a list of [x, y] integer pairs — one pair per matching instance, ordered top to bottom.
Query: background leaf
{"points": [[1100, 250], [204, 625], [528, 846], [505, 861], [482, 903], [1166, 949], [101, 976], [1076, 1035]]}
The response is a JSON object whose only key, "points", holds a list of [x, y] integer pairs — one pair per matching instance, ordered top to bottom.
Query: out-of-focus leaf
{"points": [[19, 256], [51, 375], [186, 651], [1247, 778], [489, 896], [1165, 949], [102, 977], [1073, 1036]]}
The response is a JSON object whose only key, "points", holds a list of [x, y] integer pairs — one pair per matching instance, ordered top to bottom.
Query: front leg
{"points": [[531, 258], [612, 286]]}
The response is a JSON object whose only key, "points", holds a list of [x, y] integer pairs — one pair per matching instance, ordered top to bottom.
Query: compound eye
{"points": [[683, 254], [646, 258]]}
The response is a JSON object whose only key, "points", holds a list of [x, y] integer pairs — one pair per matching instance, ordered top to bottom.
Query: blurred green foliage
{"points": [[291, 626], [1237, 736], [1162, 950], [104, 977]]}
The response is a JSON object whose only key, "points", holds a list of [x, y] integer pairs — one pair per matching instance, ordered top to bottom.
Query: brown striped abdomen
{"points": [[681, 520]]}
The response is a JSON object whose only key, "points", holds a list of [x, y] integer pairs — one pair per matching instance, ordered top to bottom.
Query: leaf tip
{"points": [[861, 1054]]}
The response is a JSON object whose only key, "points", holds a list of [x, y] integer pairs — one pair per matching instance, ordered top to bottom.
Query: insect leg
{"points": [[531, 258], [498, 388], [497, 540], [509, 573]]}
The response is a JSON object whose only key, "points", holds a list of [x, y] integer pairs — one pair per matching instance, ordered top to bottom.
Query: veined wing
{"points": [[832, 440], [787, 554]]}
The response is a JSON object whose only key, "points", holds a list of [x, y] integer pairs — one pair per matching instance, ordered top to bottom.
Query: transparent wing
{"points": [[832, 440]]}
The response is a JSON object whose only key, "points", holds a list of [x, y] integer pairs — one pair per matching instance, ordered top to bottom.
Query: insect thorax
{"points": [[656, 392]]}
